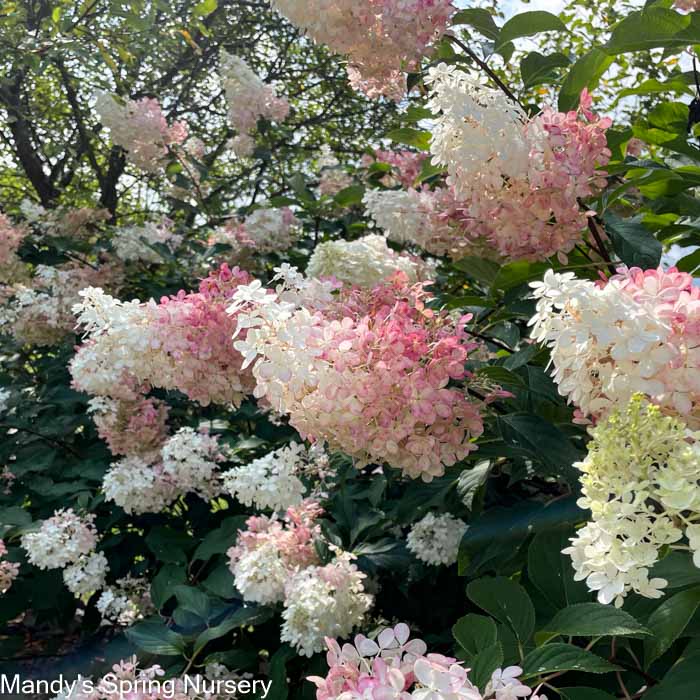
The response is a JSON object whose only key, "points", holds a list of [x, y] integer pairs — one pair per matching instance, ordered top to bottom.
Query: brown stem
{"points": [[484, 66]]}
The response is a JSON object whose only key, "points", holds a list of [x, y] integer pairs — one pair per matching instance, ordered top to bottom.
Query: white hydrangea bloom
{"points": [[478, 132], [271, 229], [132, 242], [365, 262], [605, 345], [4, 397], [190, 462], [271, 481], [137, 486], [435, 538], [60, 540], [261, 574], [87, 575], [127, 601], [323, 601]]}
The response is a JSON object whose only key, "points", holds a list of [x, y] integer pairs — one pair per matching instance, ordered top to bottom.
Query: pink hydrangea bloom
{"points": [[382, 38], [406, 164], [183, 343], [368, 372], [8, 570], [394, 666]]}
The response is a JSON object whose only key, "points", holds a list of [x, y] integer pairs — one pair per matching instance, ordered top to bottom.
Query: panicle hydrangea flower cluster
{"points": [[687, 5], [382, 38], [248, 99], [141, 129], [406, 166], [333, 178], [518, 181], [430, 219], [63, 221], [266, 230], [135, 242], [365, 262], [11, 267], [40, 313], [637, 332], [183, 343], [367, 372], [130, 427], [188, 463], [272, 481], [640, 481], [435, 539], [60, 540], [270, 550], [8, 570], [86, 575], [323, 601], [125, 602], [395, 666]]}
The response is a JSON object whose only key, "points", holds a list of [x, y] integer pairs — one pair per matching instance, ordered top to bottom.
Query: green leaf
{"points": [[204, 8], [480, 19], [527, 24], [651, 28], [536, 69], [585, 73], [411, 137], [298, 185], [349, 196], [633, 242], [481, 270], [517, 273], [502, 376], [538, 439], [500, 531], [219, 540], [168, 545], [678, 569], [551, 572], [220, 582], [164, 583], [193, 600], [507, 601], [247, 615], [595, 620], [668, 621], [474, 633], [154, 637], [551, 658], [485, 663], [277, 674], [680, 682]]}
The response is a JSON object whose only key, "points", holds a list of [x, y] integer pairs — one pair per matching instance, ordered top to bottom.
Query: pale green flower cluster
{"points": [[641, 482]]}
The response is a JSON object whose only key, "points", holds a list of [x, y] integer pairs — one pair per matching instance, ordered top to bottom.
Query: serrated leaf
{"points": [[480, 19], [527, 24], [651, 28], [536, 69], [585, 73], [411, 137], [349, 196], [633, 242], [471, 480], [220, 540], [168, 545], [678, 569], [551, 572], [164, 583], [193, 600], [507, 601], [246, 615], [595, 620], [668, 621], [474, 633], [154, 637], [554, 657], [485, 663], [680, 682]]}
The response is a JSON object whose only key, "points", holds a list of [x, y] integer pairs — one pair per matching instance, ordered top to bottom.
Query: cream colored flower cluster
{"points": [[640, 482]]}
